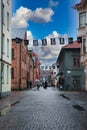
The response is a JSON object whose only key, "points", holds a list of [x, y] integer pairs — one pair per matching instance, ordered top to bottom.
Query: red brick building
{"points": [[20, 60]]}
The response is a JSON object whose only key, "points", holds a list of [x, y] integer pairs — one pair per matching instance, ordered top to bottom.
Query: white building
{"points": [[82, 32], [5, 47], [54, 72]]}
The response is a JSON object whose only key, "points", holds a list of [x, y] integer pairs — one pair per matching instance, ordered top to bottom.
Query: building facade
{"points": [[82, 32], [5, 47], [20, 60], [36, 66], [54, 72], [72, 75]]}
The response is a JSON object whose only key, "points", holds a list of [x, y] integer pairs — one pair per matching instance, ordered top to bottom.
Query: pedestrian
{"points": [[30, 83], [45, 85], [38, 86]]}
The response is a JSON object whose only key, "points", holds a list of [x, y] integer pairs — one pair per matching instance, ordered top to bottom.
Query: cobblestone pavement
{"points": [[47, 110]]}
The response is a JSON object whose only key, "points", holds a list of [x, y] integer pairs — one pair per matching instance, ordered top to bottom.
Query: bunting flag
{"points": [[79, 39], [18, 40], [62, 40], [70, 40], [53, 41], [26, 42], [35, 42], [44, 42], [57, 66], [42, 67], [46, 67], [49, 67], [53, 67]]}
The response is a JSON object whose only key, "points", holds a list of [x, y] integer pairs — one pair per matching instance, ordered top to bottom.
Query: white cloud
{"points": [[53, 3], [23, 15]]}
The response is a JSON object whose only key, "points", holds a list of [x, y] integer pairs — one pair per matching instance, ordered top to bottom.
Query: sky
{"points": [[46, 19]]}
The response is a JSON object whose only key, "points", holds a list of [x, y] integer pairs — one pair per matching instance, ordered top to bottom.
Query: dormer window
{"points": [[82, 19]]}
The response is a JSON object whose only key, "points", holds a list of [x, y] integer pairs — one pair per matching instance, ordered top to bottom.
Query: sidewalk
{"points": [[7, 102]]}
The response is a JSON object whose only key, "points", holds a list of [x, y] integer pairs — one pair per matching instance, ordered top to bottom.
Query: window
{"points": [[8, 1], [3, 14], [82, 19], [7, 20], [3, 43], [84, 46], [8, 47], [12, 54], [76, 62], [53, 67], [2, 68], [7, 73], [12, 73], [76, 82]]}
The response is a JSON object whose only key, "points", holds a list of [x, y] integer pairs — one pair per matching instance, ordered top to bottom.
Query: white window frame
{"points": [[3, 14], [82, 19], [7, 20], [3, 43], [7, 47], [2, 72]]}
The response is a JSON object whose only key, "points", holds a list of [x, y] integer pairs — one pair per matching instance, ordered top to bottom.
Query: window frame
{"points": [[82, 19]]}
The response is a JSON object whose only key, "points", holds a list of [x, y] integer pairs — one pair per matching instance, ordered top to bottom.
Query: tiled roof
{"points": [[19, 33], [73, 45]]}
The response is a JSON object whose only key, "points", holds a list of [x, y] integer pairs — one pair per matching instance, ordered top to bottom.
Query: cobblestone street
{"points": [[47, 109]]}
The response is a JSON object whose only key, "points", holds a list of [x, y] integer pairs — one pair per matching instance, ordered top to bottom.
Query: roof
{"points": [[82, 3], [18, 33], [74, 45]]}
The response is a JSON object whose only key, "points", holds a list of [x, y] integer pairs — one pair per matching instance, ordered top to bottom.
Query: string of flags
{"points": [[52, 41]]}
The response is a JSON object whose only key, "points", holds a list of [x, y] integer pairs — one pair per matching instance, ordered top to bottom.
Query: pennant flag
{"points": [[79, 39], [18, 40], [70, 40], [62, 41], [26, 42], [35, 42], [44, 42], [53, 42], [57, 66], [42, 67], [46, 67], [49, 67], [53, 67]]}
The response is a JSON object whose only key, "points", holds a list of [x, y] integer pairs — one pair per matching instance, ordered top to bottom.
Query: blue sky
{"points": [[46, 18]]}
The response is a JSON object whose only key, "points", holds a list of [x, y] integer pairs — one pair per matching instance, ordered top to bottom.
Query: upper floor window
{"points": [[8, 1], [3, 14], [82, 19], [7, 20], [3, 43], [8, 47], [12, 54], [76, 62], [2, 72], [7, 73], [12, 73]]}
